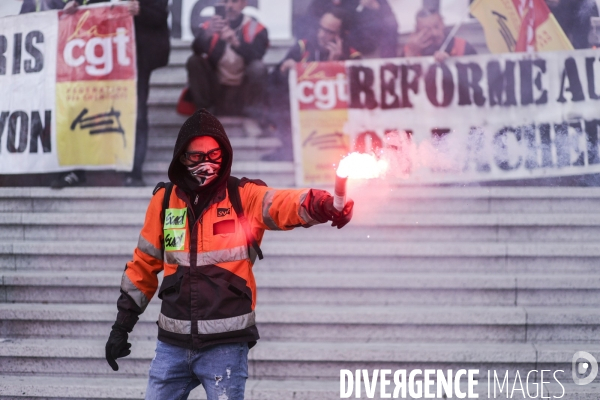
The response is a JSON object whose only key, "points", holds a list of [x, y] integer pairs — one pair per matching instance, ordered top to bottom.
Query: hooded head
{"points": [[202, 123]]}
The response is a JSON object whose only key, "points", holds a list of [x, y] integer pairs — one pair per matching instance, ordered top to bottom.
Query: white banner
{"points": [[27, 79], [68, 91], [488, 117], [476, 118]]}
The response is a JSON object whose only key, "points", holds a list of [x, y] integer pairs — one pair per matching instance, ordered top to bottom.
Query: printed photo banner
{"points": [[68, 91], [476, 118]]}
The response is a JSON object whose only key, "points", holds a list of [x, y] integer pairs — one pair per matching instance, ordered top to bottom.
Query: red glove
{"points": [[319, 205], [338, 218]]}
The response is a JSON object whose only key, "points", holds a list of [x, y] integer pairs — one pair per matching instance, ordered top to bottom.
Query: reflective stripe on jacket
{"points": [[249, 29], [208, 292]]}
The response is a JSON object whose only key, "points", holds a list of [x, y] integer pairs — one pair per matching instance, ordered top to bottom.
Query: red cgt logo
{"points": [[95, 44], [322, 86]]}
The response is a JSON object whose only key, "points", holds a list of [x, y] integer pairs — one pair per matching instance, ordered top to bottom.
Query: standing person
{"points": [[429, 36], [153, 47], [152, 52], [225, 72], [206, 246]]}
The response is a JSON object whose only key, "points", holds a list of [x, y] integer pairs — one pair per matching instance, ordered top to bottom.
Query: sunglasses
{"points": [[199, 156]]}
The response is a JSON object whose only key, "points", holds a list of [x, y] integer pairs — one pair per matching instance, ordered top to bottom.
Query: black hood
{"points": [[202, 123]]}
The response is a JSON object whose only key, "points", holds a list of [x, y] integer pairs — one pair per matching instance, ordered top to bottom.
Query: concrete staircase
{"points": [[450, 278]]}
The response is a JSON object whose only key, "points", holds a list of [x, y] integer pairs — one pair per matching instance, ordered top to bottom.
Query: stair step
{"points": [[171, 75], [165, 118], [170, 129], [242, 143], [526, 201], [393, 218], [392, 226], [316, 249], [330, 256], [334, 289], [332, 323], [300, 360], [26, 387]]}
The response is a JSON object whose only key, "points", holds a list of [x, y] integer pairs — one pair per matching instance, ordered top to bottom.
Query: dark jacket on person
{"points": [[573, 16], [368, 29], [152, 34], [252, 35], [305, 50], [208, 292]]}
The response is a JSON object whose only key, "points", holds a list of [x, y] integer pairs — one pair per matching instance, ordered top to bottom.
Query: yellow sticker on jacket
{"points": [[175, 218], [174, 239]]}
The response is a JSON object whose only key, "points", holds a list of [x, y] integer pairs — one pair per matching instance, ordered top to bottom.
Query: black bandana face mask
{"points": [[204, 172]]}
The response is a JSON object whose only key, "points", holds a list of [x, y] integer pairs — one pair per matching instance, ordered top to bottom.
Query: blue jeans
{"points": [[222, 370]]}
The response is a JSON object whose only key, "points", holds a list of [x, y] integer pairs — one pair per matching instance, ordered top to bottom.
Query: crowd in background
{"points": [[227, 76]]}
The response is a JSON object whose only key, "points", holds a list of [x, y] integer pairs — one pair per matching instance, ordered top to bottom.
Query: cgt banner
{"points": [[68, 91], [476, 118]]}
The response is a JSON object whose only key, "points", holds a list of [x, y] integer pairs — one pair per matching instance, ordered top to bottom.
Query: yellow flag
{"points": [[519, 26]]}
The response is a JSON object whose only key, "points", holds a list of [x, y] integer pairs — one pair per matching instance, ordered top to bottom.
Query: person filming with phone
{"points": [[225, 73]]}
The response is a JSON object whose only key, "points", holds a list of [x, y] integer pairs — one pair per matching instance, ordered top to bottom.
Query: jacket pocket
{"points": [[224, 227], [171, 284], [238, 292]]}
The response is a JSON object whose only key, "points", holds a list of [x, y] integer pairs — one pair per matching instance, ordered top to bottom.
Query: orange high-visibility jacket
{"points": [[208, 292]]}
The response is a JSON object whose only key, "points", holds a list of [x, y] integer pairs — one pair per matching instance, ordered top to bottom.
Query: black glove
{"points": [[338, 218], [117, 345]]}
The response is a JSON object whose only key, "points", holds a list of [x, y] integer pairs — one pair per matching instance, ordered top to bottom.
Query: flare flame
{"points": [[361, 166]]}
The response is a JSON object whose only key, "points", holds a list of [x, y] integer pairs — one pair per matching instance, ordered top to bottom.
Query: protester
{"points": [[573, 16], [372, 25], [429, 36], [152, 40], [327, 43], [152, 52], [226, 73], [206, 248]]}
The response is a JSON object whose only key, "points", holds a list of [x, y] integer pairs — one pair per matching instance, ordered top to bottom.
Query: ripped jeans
{"points": [[222, 370]]}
